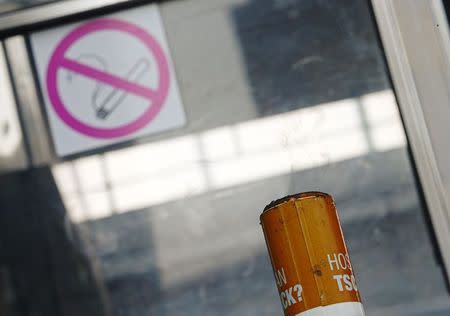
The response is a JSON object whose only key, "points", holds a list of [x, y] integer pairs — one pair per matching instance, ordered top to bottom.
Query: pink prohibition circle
{"points": [[159, 94]]}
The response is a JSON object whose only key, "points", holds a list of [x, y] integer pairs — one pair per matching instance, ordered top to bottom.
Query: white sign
{"points": [[107, 80]]}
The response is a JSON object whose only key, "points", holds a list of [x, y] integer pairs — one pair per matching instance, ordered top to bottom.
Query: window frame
{"points": [[418, 90]]}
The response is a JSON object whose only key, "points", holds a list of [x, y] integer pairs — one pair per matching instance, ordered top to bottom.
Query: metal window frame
{"points": [[11, 23], [421, 78], [28, 102], [15, 157]]}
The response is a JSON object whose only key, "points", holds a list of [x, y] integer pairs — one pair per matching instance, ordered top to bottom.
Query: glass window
{"points": [[282, 96]]}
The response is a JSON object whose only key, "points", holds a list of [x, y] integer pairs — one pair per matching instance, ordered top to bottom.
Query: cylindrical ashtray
{"points": [[312, 268]]}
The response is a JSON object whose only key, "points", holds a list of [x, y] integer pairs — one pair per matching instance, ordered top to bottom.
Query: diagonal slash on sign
{"points": [[108, 78], [156, 97]]}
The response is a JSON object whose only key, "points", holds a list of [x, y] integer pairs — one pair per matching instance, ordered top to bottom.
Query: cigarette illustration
{"points": [[106, 99]]}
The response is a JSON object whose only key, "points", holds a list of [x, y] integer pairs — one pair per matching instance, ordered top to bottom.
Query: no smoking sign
{"points": [[107, 80]]}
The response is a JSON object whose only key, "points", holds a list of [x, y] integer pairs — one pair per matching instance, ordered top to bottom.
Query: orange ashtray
{"points": [[312, 268]]}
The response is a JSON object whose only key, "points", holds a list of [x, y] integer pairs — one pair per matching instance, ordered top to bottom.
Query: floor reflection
{"points": [[155, 173], [205, 245], [208, 248], [47, 265]]}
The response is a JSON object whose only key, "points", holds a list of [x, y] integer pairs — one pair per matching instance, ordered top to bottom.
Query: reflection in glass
{"points": [[282, 96], [99, 186]]}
